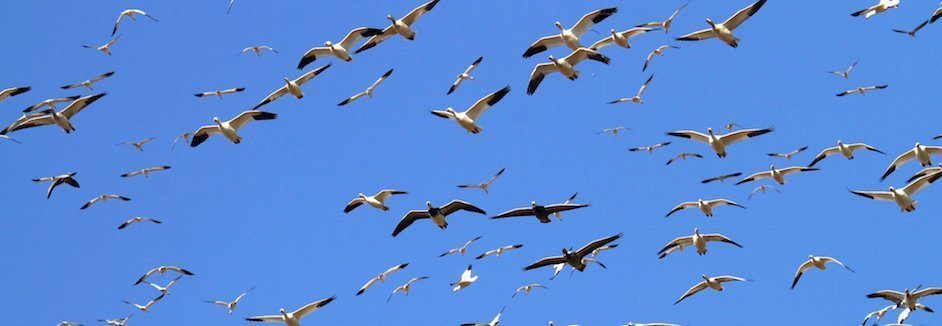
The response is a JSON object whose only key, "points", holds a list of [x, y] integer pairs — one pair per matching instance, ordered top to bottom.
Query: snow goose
{"points": [[880, 7], [130, 13], [666, 25], [402, 26], [724, 30], [913, 32], [570, 37], [620, 38], [105, 48], [258, 50], [339, 50], [659, 51], [565, 66], [845, 73], [466, 75], [88, 83], [292, 87], [862, 90], [13, 91], [368, 91], [219, 93], [637, 98], [50, 103], [468, 118], [732, 126], [229, 129], [613, 131], [185, 136], [10, 139], [718, 143], [138, 144], [649, 149], [846, 150], [921, 153], [789, 155], [682, 156], [925, 171], [145, 172], [776, 174], [722, 177], [67, 178], [484, 185], [763, 189], [902, 196], [104, 198], [377, 201], [705, 206], [541, 212], [436, 214], [559, 215], [137, 219], [697, 240], [462, 250], [499, 251], [576, 259], [585, 261], [817, 262], [160, 270], [381, 277], [465, 281], [715, 283], [405, 288], [527, 288], [165, 289], [906, 299], [230, 305], [146, 307], [878, 314], [293, 318], [117, 322], [493, 322], [68, 323]]}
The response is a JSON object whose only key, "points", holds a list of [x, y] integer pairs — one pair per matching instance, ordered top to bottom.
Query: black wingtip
{"points": [[262, 115]]}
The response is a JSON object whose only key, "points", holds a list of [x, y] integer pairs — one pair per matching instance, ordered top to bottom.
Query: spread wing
{"points": [[418, 12], [743, 14], [591, 19], [542, 44], [536, 77], [485, 103], [76, 106], [456, 205], [408, 219], [591, 246], [546, 262]]}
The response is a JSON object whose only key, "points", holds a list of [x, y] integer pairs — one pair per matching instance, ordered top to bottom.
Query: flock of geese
{"points": [[572, 40]]}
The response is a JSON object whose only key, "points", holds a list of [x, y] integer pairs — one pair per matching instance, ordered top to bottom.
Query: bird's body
{"points": [[880, 7], [401, 26], [724, 30], [570, 37], [258, 50], [339, 50], [565, 66], [466, 75], [292, 87], [369, 90], [220, 92], [637, 98], [468, 119], [229, 129], [718, 143], [846, 150], [776, 174], [58, 180], [903, 196], [104, 198], [377, 201], [705, 206], [541, 212], [436, 214], [697, 240], [577, 259], [816, 262], [465, 281], [714, 283], [231, 305]]}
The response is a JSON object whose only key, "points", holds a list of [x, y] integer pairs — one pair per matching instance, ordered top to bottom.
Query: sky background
{"points": [[268, 212]]}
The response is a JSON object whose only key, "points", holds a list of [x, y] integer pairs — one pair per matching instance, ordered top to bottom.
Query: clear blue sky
{"points": [[268, 212]]}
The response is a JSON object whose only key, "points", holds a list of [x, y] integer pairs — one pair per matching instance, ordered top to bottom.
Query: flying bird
{"points": [[880, 7], [130, 13], [666, 25], [401, 26], [724, 30], [913, 32], [570, 37], [620, 38], [105, 48], [258, 50], [339, 50], [659, 51], [565, 66], [845, 73], [466, 75], [88, 83], [292, 87], [369, 90], [862, 90], [13, 91], [221, 92], [637, 98], [50, 103], [25, 117], [60, 118], [468, 118], [229, 129], [613, 131], [185, 136], [718, 143], [138, 144], [649, 149], [846, 150], [921, 153], [788, 155], [683, 156], [925, 171], [145, 172], [776, 174], [722, 177], [67, 178], [484, 185], [763, 189], [903, 196], [104, 198], [377, 201], [705, 206], [541, 212], [436, 214], [559, 215], [137, 219], [697, 241], [604, 248], [462, 250], [499, 251], [576, 259], [818, 262], [160, 270], [381, 277], [465, 281], [715, 283], [405, 288], [165, 289], [526, 289], [906, 298], [231, 305], [146, 307], [879, 314], [293, 318], [117, 322], [493, 322]]}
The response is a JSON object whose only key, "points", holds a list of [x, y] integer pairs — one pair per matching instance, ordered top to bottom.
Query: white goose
{"points": [[880, 7], [130, 13], [666, 25], [402, 26], [724, 31], [912, 33], [570, 37], [620, 38], [105, 48], [258, 50], [339, 50], [659, 51], [565, 66], [845, 73], [466, 75], [88, 83], [292, 87], [862, 90], [13, 91], [368, 91], [219, 93], [637, 98], [50, 103], [468, 118], [229, 129], [613, 131], [185, 136], [718, 143], [138, 144], [649, 149], [847, 150], [921, 153], [789, 155], [682, 156], [146, 171], [925, 171], [775, 174], [722, 177], [67, 178], [484, 185], [763, 189], [902, 197], [104, 198], [377, 201], [705, 206], [436, 214], [137, 219], [697, 241], [462, 250], [499, 251], [575, 258], [817, 262], [160, 270], [381, 278], [465, 281], [715, 283], [405, 288], [165, 289], [526, 289], [907, 299], [231, 305], [146, 307], [879, 314], [293, 318], [117, 322], [493, 322]]}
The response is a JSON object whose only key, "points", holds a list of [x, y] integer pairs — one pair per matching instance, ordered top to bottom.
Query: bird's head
{"points": [[390, 17], [710, 21], [559, 25], [328, 43], [552, 58], [710, 131], [840, 143], [772, 167], [892, 189], [533, 203], [428, 204], [696, 231], [811, 257], [704, 276], [282, 311]]}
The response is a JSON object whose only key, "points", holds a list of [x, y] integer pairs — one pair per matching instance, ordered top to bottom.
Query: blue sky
{"points": [[268, 212]]}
